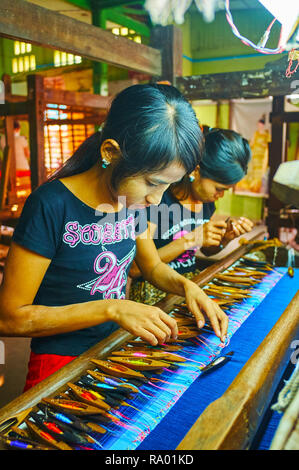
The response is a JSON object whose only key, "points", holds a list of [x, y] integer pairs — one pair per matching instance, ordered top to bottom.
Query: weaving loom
{"points": [[168, 405]]}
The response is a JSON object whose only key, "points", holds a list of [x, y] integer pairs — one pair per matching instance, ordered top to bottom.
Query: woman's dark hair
{"points": [[153, 125], [226, 156], [225, 159]]}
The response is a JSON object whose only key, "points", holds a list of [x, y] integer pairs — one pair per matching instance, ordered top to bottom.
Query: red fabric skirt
{"points": [[42, 365]]}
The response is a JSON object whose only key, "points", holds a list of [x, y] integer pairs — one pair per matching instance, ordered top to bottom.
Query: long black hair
{"points": [[154, 125], [225, 159]]}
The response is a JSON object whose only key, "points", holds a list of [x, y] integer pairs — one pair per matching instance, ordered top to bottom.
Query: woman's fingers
{"points": [[221, 224], [246, 224], [242, 226], [238, 227], [237, 230], [213, 234], [212, 241], [200, 304], [195, 307], [196, 311], [212, 316], [218, 319], [223, 320], [149, 322], [171, 323], [160, 325], [223, 326], [163, 331], [152, 333], [147, 336]]}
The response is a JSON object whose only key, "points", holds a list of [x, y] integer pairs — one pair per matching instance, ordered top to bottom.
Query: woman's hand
{"points": [[236, 228], [213, 232], [217, 232], [208, 234], [200, 305], [147, 322]]}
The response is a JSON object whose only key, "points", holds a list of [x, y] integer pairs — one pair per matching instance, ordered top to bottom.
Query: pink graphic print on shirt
{"points": [[187, 254], [113, 276]]}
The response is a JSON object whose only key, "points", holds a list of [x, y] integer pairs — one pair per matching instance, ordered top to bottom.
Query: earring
{"points": [[105, 163], [191, 178]]}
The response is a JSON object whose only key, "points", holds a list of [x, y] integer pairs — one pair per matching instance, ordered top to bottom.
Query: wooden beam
{"points": [[117, 3], [85, 4], [28, 22], [169, 39], [269, 81], [51, 95], [76, 98], [14, 108], [289, 116], [95, 120]]}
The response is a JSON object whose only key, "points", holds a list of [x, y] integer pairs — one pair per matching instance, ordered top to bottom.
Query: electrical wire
{"points": [[260, 47]]}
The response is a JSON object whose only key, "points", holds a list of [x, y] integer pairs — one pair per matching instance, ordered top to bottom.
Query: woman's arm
{"points": [[173, 249], [166, 253], [23, 275], [167, 279]]}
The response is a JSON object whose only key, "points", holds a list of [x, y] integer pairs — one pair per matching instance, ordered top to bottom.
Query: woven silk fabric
{"points": [[207, 388]]}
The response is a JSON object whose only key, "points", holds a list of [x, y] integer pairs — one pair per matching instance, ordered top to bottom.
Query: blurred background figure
{"points": [[22, 151], [256, 178]]}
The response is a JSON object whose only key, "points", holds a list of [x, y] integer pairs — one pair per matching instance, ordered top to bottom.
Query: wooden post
{"points": [[169, 40], [100, 69], [6, 79], [36, 128], [10, 143], [275, 158], [4, 177], [8, 185]]}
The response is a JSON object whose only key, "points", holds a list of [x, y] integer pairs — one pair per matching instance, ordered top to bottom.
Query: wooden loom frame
{"points": [[237, 414]]}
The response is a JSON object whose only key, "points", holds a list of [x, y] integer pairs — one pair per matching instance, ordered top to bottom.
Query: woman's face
{"points": [[146, 189], [207, 190]]}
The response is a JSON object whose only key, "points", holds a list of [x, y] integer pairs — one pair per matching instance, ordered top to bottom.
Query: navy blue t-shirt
{"points": [[173, 221], [91, 254]]}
